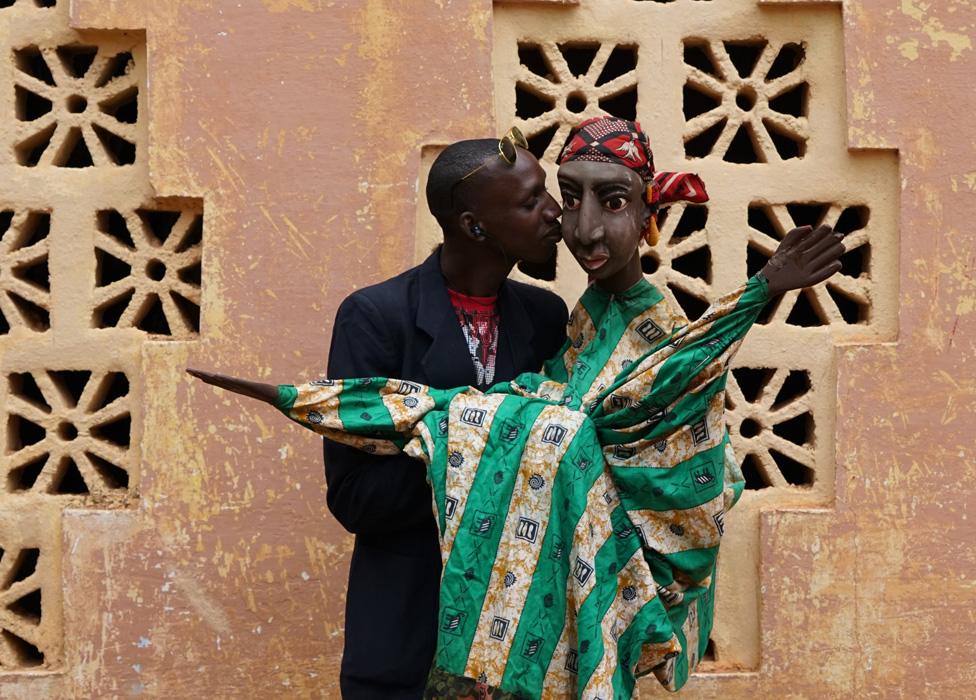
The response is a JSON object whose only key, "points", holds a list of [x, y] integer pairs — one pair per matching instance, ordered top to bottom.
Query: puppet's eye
{"points": [[570, 202], [615, 203]]}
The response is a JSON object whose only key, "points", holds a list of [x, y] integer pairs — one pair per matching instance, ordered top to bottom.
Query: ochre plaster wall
{"points": [[300, 125]]}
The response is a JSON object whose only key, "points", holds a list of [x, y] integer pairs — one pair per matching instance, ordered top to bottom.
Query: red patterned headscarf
{"points": [[613, 140]]}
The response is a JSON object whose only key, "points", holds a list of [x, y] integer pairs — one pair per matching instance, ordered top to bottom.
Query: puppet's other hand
{"points": [[805, 257], [256, 390]]}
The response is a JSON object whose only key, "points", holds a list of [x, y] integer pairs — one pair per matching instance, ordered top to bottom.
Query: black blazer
{"points": [[406, 328]]}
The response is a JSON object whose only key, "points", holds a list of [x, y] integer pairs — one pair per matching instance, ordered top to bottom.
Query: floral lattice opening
{"points": [[28, 3], [560, 84], [745, 101], [76, 106], [680, 265], [148, 270], [25, 287], [845, 299], [770, 417], [68, 432], [21, 599]]}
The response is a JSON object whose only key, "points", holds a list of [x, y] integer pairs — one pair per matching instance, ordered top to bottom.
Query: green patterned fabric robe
{"points": [[580, 510]]}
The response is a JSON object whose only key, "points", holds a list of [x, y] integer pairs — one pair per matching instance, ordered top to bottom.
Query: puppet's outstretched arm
{"points": [[376, 415]]}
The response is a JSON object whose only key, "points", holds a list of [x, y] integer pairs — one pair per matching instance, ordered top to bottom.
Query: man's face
{"points": [[511, 204], [603, 218]]}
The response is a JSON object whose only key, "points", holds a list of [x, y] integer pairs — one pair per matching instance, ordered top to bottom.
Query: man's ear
{"points": [[468, 223]]}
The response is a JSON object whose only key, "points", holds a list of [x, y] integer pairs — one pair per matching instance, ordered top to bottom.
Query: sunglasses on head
{"points": [[508, 146]]}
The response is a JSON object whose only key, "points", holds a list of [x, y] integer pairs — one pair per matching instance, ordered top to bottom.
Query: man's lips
{"points": [[555, 233]]}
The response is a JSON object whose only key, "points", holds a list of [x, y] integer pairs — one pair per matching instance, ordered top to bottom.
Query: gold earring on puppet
{"points": [[651, 233]]}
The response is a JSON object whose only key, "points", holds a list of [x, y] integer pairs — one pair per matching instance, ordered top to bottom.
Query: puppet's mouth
{"points": [[595, 263]]}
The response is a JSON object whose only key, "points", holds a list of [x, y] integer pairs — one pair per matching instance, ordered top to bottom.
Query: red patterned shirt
{"points": [[478, 317]]}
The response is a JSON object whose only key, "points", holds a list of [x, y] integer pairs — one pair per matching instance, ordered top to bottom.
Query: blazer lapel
{"points": [[515, 336], [447, 362]]}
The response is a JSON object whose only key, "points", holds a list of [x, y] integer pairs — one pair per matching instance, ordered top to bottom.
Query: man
{"points": [[453, 320]]}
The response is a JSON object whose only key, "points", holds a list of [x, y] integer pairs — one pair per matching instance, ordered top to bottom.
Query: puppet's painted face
{"points": [[603, 217]]}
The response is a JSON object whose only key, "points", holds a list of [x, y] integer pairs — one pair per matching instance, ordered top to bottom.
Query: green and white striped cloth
{"points": [[581, 509]]}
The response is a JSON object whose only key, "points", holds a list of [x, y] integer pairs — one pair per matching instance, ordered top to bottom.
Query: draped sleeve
{"points": [[376, 415]]}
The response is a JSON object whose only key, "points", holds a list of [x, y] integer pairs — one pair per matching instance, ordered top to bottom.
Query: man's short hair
{"points": [[453, 163]]}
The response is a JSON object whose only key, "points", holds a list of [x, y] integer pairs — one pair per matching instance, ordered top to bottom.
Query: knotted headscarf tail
{"points": [[614, 140]]}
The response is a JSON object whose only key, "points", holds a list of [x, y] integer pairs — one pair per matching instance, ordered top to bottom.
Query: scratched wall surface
{"points": [[295, 129]]}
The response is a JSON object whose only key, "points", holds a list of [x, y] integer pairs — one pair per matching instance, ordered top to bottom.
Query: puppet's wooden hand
{"points": [[805, 257], [256, 390]]}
